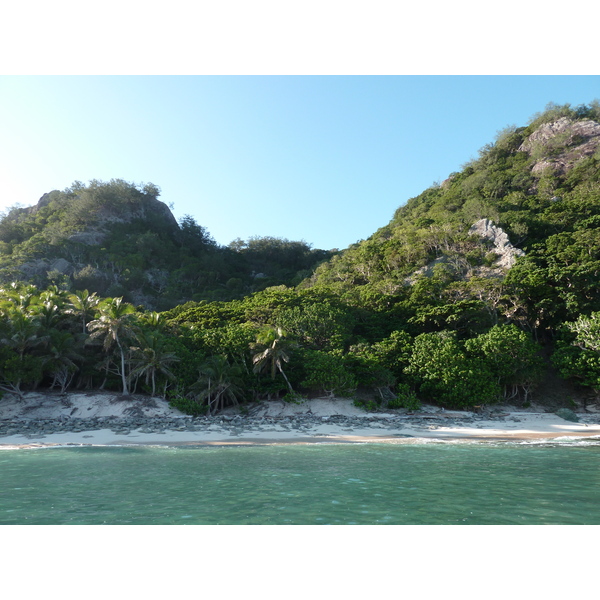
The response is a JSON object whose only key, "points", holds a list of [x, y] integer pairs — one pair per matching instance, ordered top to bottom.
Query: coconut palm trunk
{"points": [[123, 374]]}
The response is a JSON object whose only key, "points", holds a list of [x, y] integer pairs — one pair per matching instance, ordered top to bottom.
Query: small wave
{"points": [[562, 442]]}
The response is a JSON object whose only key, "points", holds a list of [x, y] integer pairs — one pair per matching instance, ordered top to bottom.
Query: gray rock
{"points": [[577, 139], [507, 253], [62, 266], [567, 414]]}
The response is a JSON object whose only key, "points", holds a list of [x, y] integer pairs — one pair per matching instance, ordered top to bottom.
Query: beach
{"points": [[104, 418]]}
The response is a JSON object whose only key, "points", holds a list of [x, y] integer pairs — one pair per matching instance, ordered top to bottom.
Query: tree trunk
{"points": [[123, 376], [286, 380]]}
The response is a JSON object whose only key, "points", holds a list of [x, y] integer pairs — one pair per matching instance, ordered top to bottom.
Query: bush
{"points": [[511, 356], [580, 364], [327, 373], [446, 375], [294, 398], [405, 398], [188, 405], [368, 405]]}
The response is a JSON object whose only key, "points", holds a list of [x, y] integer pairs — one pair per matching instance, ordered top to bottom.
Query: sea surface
{"points": [[433, 483]]}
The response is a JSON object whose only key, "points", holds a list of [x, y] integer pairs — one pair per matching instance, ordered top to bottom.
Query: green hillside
{"points": [[540, 185], [117, 239], [483, 288]]}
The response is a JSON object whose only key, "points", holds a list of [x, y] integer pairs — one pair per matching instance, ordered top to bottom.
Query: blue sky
{"points": [[325, 159]]}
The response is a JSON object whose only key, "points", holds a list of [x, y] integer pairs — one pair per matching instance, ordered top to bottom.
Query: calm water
{"points": [[320, 484]]}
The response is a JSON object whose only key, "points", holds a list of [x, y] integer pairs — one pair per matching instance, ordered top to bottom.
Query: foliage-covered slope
{"points": [[541, 185], [118, 239], [469, 295]]}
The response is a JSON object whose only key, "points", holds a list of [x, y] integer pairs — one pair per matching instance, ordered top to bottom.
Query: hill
{"points": [[530, 201], [117, 239]]}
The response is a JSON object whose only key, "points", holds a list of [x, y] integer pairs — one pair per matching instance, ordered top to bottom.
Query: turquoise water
{"points": [[433, 483]]}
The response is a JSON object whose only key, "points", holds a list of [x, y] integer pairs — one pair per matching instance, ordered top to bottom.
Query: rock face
{"points": [[577, 139], [140, 210], [101, 219], [89, 220], [96, 234], [89, 238], [506, 252], [41, 266], [427, 270]]}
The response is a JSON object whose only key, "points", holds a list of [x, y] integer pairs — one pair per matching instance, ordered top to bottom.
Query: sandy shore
{"points": [[323, 420]]}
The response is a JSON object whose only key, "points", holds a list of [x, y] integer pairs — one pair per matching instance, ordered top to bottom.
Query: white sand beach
{"points": [[84, 419]]}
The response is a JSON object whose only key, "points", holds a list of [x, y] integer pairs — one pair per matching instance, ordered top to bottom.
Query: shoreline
{"points": [[106, 419], [535, 428]]}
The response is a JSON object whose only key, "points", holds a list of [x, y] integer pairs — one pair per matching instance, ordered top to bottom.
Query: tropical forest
{"points": [[482, 289]]}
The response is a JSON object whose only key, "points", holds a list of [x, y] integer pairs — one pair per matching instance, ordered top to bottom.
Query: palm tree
{"points": [[55, 294], [19, 297], [82, 303], [48, 313], [154, 320], [114, 325], [21, 332], [19, 336], [272, 351], [151, 359], [60, 362], [219, 382]]}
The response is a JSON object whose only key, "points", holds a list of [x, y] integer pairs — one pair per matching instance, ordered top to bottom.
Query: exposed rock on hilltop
{"points": [[570, 129], [559, 145], [150, 209], [98, 211], [484, 228], [95, 236], [117, 239]]}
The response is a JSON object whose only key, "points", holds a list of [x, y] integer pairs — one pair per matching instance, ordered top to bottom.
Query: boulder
{"points": [[62, 266], [567, 414]]}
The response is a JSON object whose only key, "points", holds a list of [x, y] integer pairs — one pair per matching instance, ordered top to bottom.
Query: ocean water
{"points": [[407, 483]]}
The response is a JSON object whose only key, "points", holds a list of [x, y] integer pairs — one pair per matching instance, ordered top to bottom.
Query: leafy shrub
{"points": [[490, 258], [511, 356], [577, 363], [327, 372], [446, 375], [293, 398], [405, 398], [368, 405], [188, 406]]}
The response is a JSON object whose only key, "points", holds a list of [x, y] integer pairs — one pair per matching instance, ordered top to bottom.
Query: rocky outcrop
{"points": [[561, 144], [128, 212], [106, 217], [89, 238], [501, 246], [507, 253], [42, 266], [427, 270]]}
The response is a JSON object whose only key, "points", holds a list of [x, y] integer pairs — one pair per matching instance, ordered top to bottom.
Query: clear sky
{"points": [[325, 159]]}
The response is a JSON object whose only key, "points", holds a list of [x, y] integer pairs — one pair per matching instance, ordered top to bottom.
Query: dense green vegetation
{"points": [[117, 239], [423, 310]]}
